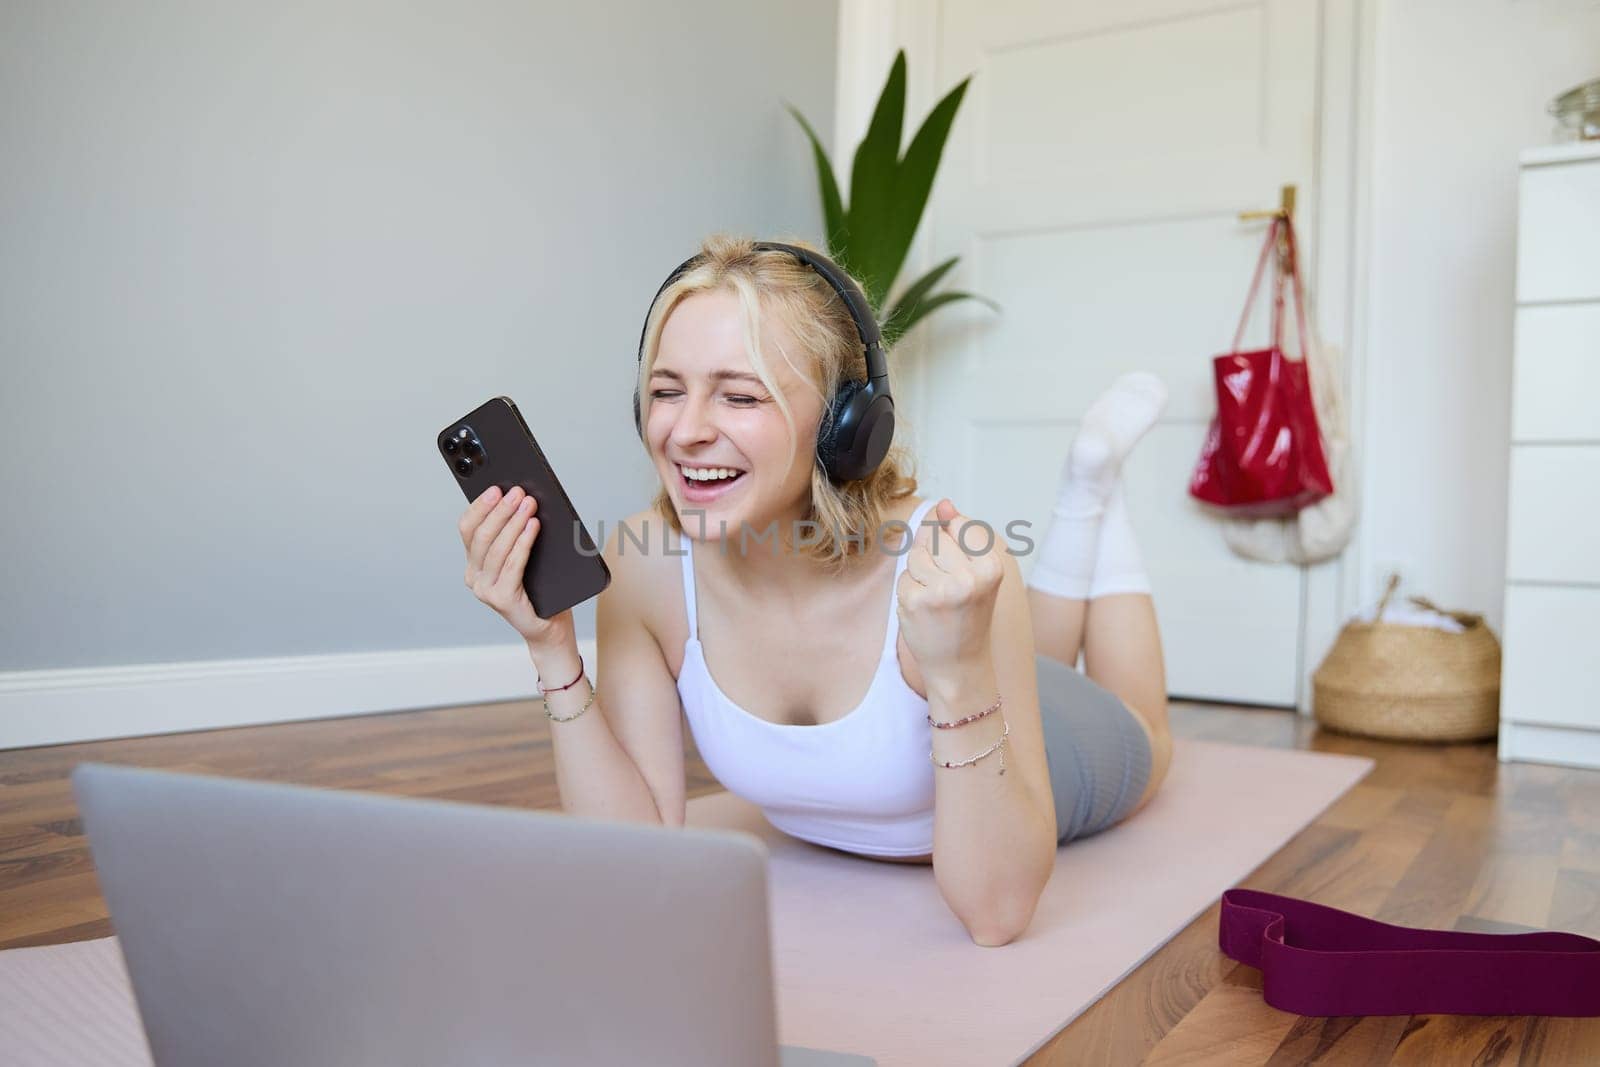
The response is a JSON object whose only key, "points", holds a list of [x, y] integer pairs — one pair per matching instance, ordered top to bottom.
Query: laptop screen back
{"points": [[270, 924]]}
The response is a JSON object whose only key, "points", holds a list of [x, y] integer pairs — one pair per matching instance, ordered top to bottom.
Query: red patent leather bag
{"points": [[1263, 454]]}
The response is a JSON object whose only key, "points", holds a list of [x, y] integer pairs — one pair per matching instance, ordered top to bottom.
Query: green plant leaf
{"points": [[914, 181], [873, 189], [833, 215], [871, 236], [919, 289], [916, 313]]}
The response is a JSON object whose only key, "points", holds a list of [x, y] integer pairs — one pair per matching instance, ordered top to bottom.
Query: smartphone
{"points": [[492, 445]]}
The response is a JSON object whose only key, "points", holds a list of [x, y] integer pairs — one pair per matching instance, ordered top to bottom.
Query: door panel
{"points": [[1091, 186]]}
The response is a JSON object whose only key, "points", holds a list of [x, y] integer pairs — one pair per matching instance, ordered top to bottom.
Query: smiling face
{"points": [[716, 434]]}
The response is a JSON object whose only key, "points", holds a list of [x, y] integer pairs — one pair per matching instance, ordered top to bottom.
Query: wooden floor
{"points": [[1434, 836]]}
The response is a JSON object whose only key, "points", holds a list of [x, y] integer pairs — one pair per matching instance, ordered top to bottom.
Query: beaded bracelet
{"points": [[593, 692], [970, 718], [979, 756]]}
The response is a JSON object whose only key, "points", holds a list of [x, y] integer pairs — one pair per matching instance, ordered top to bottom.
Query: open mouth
{"points": [[707, 483]]}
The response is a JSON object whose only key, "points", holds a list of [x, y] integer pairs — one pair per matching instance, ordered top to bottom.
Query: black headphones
{"points": [[858, 426]]}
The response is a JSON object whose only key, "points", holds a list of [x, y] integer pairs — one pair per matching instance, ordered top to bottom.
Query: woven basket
{"points": [[1411, 683]]}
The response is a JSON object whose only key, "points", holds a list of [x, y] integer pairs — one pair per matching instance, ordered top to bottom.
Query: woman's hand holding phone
{"points": [[498, 531]]}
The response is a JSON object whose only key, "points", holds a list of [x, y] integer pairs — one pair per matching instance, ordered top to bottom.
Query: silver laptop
{"points": [[280, 925]]}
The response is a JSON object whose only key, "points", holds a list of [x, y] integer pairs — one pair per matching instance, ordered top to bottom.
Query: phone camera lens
{"points": [[451, 446], [472, 447], [463, 466]]}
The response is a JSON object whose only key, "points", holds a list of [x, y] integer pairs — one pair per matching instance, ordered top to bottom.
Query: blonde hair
{"points": [[830, 351]]}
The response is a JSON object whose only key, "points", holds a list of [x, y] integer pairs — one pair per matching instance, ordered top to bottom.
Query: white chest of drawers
{"points": [[1550, 676]]}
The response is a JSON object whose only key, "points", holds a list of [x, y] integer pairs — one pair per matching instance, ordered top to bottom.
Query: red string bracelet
{"points": [[582, 670]]}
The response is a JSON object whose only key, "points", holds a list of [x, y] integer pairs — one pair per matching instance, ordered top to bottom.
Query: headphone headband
{"points": [[855, 301]]}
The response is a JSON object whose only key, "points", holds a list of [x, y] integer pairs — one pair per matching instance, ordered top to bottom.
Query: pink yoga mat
{"points": [[868, 957]]}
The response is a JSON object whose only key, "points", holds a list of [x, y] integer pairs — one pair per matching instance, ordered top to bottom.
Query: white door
{"points": [[1091, 186]]}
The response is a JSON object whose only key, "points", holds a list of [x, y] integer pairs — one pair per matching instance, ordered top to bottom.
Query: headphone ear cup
{"points": [[872, 416], [833, 420]]}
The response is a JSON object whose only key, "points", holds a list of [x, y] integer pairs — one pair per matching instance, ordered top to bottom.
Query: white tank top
{"points": [[862, 783]]}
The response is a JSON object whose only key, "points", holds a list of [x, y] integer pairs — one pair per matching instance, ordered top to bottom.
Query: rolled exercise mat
{"points": [[1317, 960]]}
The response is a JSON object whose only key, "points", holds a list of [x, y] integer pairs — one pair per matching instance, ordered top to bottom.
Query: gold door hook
{"points": [[1285, 208], [1285, 211]]}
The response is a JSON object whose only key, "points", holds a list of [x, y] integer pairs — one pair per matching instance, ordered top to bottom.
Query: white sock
{"points": [[1114, 423], [1064, 565], [1118, 567]]}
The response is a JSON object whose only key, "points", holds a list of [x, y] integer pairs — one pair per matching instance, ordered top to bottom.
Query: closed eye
{"points": [[736, 399]]}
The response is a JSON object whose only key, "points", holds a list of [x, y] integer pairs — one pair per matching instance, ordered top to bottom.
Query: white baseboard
{"points": [[57, 707], [1565, 745]]}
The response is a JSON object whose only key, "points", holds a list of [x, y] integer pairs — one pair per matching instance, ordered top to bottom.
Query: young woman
{"points": [[850, 656]]}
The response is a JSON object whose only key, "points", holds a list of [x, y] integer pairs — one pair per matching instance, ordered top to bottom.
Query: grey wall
{"points": [[253, 257]]}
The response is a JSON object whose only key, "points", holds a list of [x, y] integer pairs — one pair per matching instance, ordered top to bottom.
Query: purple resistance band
{"points": [[1317, 960]]}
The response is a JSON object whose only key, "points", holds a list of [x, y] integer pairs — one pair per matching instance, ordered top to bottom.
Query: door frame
{"points": [[1337, 219]]}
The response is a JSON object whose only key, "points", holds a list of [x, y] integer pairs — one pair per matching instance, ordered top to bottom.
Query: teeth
{"points": [[708, 474]]}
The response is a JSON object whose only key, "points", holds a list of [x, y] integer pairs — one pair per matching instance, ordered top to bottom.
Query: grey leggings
{"points": [[1099, 757]]}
